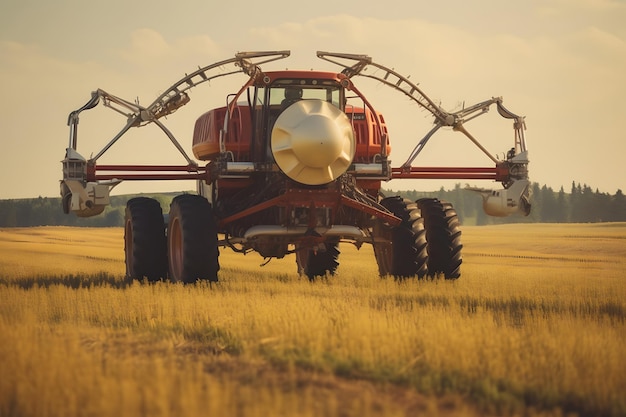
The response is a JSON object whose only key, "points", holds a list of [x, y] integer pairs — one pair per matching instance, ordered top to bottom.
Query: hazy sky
{"points": [[561, 63]]}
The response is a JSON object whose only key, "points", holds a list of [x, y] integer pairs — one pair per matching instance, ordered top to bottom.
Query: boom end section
{"points": [[78, 196], [84, 200], [502, 203]]}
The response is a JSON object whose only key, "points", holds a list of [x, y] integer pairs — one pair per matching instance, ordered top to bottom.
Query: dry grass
{"points": [[535, 326]]}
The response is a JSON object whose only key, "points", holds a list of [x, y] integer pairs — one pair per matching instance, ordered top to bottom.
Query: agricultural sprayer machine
{"points": [[292, 164]]}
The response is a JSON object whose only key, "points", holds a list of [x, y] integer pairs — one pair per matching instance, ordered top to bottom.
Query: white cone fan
{"points": [[313, 142]]}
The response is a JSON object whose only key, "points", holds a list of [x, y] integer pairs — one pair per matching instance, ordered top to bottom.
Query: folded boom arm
{"points": [[512, 173], [85, 195]]}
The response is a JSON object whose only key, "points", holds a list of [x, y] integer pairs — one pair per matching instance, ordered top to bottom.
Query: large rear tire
{"points": [[443, 234], [192, 240], [145, 245], [401, 250], [320, 262]]}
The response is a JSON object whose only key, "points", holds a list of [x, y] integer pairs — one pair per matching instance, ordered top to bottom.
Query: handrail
{"points": [[169, 101]]}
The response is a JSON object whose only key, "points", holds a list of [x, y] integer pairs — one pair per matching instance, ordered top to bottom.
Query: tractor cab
{"points": [[268, 99], [297, 122]]}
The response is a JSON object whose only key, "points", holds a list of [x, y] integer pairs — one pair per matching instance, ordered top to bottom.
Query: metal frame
{"points": [[248, 62], [358, 65], [168, 102]]}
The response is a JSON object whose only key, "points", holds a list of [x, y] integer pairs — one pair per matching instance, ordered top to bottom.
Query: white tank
{"points": [[313, 142]]}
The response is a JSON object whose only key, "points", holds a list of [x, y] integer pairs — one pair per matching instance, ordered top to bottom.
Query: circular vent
{"points": [[313, 142]]}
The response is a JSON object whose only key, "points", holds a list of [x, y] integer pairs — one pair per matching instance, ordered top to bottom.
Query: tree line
{"points": [[580, 205], [46, 211]]}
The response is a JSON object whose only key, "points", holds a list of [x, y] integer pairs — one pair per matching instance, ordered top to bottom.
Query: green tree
{"points": [[562, 204], [549, 205], [617, 212], [8, 214], [113, 218]]}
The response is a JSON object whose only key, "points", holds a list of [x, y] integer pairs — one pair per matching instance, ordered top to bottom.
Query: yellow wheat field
{"points": [[535, 326]]}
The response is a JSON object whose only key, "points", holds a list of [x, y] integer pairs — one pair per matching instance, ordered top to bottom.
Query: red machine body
{"points": [[292, 164]]}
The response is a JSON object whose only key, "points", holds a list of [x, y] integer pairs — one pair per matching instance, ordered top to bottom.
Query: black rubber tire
{"points": [[443, 234], [192, 240], [145, 245], [404, 254], [318, 263]]}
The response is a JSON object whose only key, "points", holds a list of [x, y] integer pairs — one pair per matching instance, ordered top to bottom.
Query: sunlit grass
{"points": [[536, 325]]}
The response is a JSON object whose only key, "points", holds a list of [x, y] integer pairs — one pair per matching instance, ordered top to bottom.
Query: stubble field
{"points": [[536, 325]]}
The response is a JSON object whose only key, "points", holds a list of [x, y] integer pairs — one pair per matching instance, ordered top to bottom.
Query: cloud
{"points": [[585, 6], [148, 48], [149, 61], [451, 62], [460, 64], [32, 66], [36, 86], [38, 90]]}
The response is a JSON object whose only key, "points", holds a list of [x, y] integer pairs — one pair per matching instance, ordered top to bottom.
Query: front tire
{"points": [[443, 234], [192, 240], [145, 245], [402, 250]]}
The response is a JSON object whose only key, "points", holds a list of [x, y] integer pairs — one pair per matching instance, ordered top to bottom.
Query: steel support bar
{"points": [[142, 168], [491, 170], [145, 172], [444, 173], [442, 176], [150, 177], [312, 199], [254, 209], [388, 217]]}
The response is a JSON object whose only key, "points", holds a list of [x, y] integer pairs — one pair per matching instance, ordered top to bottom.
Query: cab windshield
{"points": [[293, 90]]}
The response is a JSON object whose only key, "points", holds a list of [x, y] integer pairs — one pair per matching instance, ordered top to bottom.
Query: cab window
{"points": [[289, 91]]}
